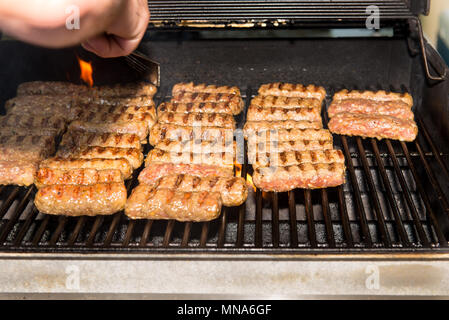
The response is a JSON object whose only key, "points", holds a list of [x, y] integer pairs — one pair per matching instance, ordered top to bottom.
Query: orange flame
{"points": [[86, 72], [238, 169], [238, 173], [249, 181]]}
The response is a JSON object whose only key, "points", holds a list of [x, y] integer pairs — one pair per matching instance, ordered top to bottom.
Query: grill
{"points": [[394, 199], [386, 205]]}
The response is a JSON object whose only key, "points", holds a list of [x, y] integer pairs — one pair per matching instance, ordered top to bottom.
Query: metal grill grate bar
{"points": [[435, 151], [433, 180], [389, 192], [374, 196], [408, 197], [425, 198], [310, 218], [345, 218], [327, 219], [12, 220], [293, 223], [79, 226], [146, 233], [366, 236], [185, 238]]}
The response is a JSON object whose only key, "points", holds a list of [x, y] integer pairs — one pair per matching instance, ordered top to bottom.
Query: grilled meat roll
{"points": [[192, 87], [51, 88], [67, 88], [133, 89], [292, 90], [374, 95], [142, 101], [235, 101], [41, 102], [285, 102], [199, 107], [396, 109], [142, 113], [257, 113], [68, 114], [102, 118], [198, 119], [32, 121], [375, 126], [251, 127], [138, 128], [23, 131], [167, 131], [268, 134], [73, 139], [197, 146], [286, 146], [26, 148], [134, 156], [291, 158], [215, 159], [99, 164], [155, 171], [17, 172], [305, 175], [49, 176], [233, 191], [78, 200], [149, 203]]}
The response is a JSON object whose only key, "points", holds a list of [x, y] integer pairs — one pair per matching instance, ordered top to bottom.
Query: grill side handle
{"points": [[436, 64]]}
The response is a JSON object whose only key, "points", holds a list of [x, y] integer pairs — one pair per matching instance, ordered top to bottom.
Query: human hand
{"points": [[124, 33]]}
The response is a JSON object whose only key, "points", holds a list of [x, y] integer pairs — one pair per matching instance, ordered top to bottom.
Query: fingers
{"points": [[123, 36], [109, 46]]}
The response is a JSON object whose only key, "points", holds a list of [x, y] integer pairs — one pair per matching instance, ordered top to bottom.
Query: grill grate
{"points": [[278, 13], [393, 201]]}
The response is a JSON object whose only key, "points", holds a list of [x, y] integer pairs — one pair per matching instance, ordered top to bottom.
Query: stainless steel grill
{"points": [[235, 13]]}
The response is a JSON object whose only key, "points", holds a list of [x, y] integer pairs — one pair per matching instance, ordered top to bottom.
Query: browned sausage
{"points": [[201, 87], [292, 90], [374, 95], [285, 102], [199, 107], [396, 109], [222, 120], [375, 126], [138, 128], [26, 148], [134, 156], [291, 158], [215, 159], [99, 164], [17, 172], [151, 174], [306, 175], [48, 176], [233, 190], [78, 200], [149, 203]]}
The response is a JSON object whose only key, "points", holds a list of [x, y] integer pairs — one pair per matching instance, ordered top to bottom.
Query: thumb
{"points": [[109, 46]]}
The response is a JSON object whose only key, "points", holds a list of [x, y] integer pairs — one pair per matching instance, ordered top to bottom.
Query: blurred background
{"points": [[436, 26]]}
